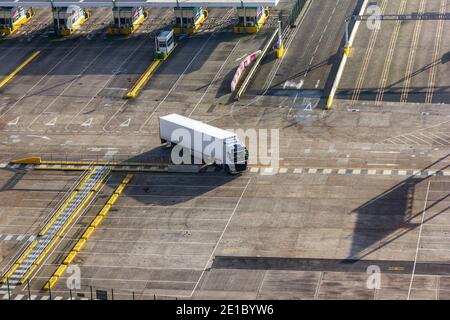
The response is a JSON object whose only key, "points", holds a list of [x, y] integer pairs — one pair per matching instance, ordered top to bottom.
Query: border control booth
{"points": [[189, 15], [11, 18], [127, 19], [251, 19], [66, 20], [188, 20]]}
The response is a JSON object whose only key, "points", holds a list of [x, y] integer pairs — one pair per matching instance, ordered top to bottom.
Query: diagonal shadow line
{"points": [[442, 60], [409, 179], [413, 180], [352, 258]]}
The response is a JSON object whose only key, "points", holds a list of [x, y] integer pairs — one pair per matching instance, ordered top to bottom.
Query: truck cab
{"points": [[236, 156]]}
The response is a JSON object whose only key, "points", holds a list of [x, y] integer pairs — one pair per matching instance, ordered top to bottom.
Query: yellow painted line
{"points": [[18, 69], [143, 79], [31, 160], [43, 163], [104, 163], [60, 169], [139, 170], [85, 179], [127, 179], [119, 190], [113, 199], [105, 210], [96, 222], [88, 233], [80, 244], [27, 252], [70, 257], [19, 261], [396, 268], [59, 272], [10, 273], [28, 273], [51, 283]]}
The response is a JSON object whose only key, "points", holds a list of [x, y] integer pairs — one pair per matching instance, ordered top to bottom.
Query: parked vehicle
{"points": [[206, 143]]}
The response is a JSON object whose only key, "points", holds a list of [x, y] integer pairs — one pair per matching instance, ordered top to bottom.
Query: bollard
{"points": [[7, 284], [29, 292]]}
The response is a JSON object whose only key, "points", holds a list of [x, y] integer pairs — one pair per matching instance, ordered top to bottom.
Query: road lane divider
{"points": [[344, 59], [19, 68], [143, 80], [65, 205], [53, 232], [81, 243]]}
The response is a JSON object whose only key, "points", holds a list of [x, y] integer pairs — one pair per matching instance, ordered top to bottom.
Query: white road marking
{"points": [[412, 55], [367, 58], [63, 59], [214, 79], [106, 85], [14, 122], [50, 123], [87, 123], [126, 123], [381, 152], [383, 164], [221, 236], [418, 239]]}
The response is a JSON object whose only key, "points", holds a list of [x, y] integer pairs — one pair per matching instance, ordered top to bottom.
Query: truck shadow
{"points": [[167, 189]]}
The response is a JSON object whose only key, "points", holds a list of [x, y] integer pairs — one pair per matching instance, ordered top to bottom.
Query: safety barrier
{"points": [[18, 69], [143, 79], [66, 204], [54, 229], [79, 245], [18, 262]]}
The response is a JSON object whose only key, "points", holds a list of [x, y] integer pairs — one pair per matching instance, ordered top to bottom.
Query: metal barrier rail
{"points": [[255, 66], [58, 206], [86, 234], [26, 246], [33, 257]]}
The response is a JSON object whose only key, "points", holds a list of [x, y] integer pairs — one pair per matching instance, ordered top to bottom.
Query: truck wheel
{"points": [[227, 169]]}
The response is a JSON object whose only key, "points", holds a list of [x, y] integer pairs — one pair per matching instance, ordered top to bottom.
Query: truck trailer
{"points": [[207, 144]]}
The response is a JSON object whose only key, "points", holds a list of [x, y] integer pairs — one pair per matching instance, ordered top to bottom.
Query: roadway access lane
{"points": [[311, 53], [403, 61]]}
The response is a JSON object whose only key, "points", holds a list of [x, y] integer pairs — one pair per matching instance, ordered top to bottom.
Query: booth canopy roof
{"points": [[135, 3]]}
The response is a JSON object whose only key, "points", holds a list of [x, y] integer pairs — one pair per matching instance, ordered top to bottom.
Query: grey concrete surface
{"points": [[402, 61], [169, 235]]}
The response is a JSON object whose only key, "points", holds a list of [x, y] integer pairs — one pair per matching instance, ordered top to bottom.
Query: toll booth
{"points": [[11, 18], [251, 19], [67, 20], [127, 20], [188, 20], [165, 44]]}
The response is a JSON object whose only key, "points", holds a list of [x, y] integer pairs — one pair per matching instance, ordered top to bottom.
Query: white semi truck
{"points": [[205, 143]]}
